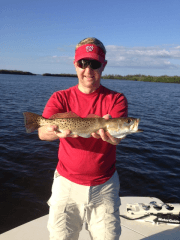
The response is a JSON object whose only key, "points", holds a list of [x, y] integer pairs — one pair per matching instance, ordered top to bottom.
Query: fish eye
{"points": [[129, 120]]}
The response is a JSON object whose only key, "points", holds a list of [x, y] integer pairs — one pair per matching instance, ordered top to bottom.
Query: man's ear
{"points": [[104, 64]]}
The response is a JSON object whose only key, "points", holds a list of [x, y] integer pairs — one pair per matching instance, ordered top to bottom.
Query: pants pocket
{"points": [[64, 222], [112, 222]]}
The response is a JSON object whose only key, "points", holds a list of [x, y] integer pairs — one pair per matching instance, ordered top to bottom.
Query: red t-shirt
{"points": [[86, 161]]}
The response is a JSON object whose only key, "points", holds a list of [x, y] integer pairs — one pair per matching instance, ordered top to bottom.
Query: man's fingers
{"points": [[107, 116], [51, 128], [64, 134], [95, 135], [103, 135], [74, 136], [110, 137], [113, 140]]}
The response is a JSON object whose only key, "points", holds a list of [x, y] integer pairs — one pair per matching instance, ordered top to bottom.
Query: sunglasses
{"points": [[93, 64]]}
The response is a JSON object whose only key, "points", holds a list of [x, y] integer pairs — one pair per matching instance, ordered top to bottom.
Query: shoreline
{"points": [[16, 72], [136, 77]]}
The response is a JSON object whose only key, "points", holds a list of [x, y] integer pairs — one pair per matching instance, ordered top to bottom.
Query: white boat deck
{"points": [[135, 230]]}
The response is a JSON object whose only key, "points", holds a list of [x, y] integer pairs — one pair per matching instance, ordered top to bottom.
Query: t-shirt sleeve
{"points": [[53, 106], [119, 107]]}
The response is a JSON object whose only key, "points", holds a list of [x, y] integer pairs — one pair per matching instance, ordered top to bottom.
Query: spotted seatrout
{"points": [[117, 127]]}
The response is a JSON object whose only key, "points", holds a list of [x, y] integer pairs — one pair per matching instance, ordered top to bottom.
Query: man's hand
{"points": [[50, 133], [64, 134], [105, 136]]}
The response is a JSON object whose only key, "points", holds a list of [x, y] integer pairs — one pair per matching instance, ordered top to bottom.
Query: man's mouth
{"points": [[89, 77]]}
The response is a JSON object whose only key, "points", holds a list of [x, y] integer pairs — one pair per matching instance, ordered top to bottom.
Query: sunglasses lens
{"points": [[83, 63], [95, 64]]}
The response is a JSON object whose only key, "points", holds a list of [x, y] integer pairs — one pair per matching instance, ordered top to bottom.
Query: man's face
{"points": [[89, 79]]}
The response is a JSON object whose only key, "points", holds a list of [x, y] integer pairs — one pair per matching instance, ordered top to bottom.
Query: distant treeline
{"points": [[15, 72], [59, 75], [137, 77], [144, 78]]}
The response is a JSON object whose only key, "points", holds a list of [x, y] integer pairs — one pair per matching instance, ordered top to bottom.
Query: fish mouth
{"points": [[138, 121], [134, 125]]}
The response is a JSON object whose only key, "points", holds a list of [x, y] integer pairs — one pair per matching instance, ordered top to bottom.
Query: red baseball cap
{"points": [[90, 51]]}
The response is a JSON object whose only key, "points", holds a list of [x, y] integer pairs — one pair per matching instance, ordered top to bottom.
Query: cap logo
{"points": [[89, 48]]}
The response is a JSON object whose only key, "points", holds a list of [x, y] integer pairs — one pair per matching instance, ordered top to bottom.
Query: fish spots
{"points": [[87, 122], [65, 123], [77, 123]]}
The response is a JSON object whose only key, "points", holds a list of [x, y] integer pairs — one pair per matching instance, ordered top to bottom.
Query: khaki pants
{"points": [[71, 204]]}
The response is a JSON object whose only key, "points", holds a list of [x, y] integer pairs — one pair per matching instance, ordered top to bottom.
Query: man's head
{"points": [[90, 48], [89, 63]]}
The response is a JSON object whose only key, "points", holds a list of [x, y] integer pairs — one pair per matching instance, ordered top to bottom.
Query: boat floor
{"points": [[135, 230]]}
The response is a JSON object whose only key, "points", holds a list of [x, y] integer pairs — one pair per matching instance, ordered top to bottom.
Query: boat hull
{"points": [[37, 230]]}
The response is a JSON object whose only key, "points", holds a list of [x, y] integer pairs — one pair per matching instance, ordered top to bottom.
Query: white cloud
{"points": [[143, 57], [149, 60]]}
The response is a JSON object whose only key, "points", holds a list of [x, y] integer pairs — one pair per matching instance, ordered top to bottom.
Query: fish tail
{"points": [[31, 121]]}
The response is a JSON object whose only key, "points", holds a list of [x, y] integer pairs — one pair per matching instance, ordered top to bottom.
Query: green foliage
{"points": [[15, 72], [60, 75], [144, 78]]}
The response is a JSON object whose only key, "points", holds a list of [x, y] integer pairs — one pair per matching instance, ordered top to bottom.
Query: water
{"points": [[148, 163]]}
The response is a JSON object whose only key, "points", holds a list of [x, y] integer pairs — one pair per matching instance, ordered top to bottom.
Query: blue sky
{"points": [[141, 36]]}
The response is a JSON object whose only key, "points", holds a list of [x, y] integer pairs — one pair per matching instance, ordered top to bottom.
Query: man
{"points": [[86, 184]]}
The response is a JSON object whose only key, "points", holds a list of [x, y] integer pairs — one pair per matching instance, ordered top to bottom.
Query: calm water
{"points": [[148, 163]]}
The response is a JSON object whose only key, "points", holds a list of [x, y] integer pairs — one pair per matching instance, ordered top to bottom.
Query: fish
{"points": [[83, 127]]}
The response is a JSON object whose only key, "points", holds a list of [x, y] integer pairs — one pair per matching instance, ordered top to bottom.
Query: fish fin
{"points": [[65, 115], [91, 115], [30, 121], [140, 130], [109, 141]]}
